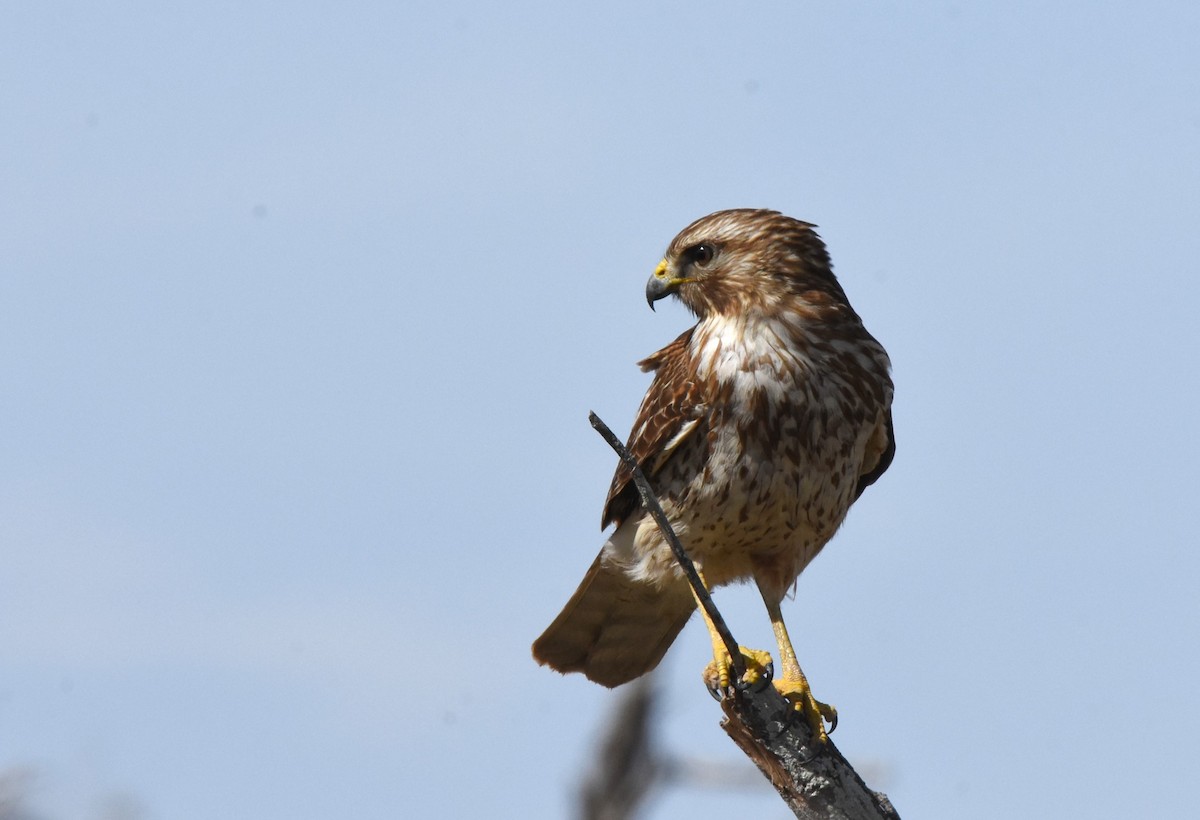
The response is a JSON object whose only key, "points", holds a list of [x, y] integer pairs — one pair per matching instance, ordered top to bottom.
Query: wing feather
{"points": [[670, 413], [883, 447]]}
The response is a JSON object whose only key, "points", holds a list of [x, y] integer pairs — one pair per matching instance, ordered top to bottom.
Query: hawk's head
{"points": [[734, 262]]}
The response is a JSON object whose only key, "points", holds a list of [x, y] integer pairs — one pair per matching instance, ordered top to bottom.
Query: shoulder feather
{"points": [[670, 413]]}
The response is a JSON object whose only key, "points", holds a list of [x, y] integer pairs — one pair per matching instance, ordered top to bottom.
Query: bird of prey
{"points": [[764, 422]]}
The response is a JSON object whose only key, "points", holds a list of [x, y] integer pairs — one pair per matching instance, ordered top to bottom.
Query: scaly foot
{"points": [[718, 675], [816, 713]]}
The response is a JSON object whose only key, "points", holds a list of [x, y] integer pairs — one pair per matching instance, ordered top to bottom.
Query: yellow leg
{"points": [[717, 674], [792, 684]]}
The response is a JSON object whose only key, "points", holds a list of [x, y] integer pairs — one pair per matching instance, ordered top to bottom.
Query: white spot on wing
{"points": [[670, 446]]}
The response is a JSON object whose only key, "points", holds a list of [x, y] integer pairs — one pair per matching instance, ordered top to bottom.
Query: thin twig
{"points": [[650, 502]]}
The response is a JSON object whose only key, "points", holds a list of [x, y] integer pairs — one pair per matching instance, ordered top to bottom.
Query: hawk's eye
{"points": [[701, 254]]}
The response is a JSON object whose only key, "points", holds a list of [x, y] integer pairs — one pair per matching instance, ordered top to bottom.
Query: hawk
{"points": [[764, 422]]}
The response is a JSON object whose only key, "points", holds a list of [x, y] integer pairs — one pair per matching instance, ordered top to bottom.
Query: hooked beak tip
{"points": [[659, 285]]}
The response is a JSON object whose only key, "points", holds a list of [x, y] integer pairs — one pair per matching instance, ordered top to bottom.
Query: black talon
{"points": [[769, 670], [715, 691], [832, 724], [816, 753]]}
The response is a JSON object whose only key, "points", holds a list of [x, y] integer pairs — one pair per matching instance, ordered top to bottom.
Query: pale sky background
{"points": [[303, 307]]}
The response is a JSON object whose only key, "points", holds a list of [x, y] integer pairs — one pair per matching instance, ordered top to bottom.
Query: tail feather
{"points": [[614, 628]]}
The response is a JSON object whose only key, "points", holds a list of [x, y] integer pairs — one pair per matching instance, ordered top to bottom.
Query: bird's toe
{"points": [[719, 678]]}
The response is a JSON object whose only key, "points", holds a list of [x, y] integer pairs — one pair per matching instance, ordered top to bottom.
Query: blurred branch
{"points": [[627, 767], [811, 776], [16, 784]]}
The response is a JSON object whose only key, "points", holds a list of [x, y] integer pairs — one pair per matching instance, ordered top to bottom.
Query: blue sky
{"points": [[302, 310]]}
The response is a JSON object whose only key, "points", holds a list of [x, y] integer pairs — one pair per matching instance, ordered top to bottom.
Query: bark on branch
{"points": [[812, 777]]}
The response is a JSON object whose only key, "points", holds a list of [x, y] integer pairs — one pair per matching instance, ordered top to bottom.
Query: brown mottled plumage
{"points": [[764, 423]]}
